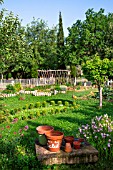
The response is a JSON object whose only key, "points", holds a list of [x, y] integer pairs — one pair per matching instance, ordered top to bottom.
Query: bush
{"points": [[17, 87], [9, 89], [52, 103], [59, 103], [66, 103], [38, 104], [44, 104], [31, 106], [26, 107], [12, 112], [44, 112], [37, 113], [100, 134]]}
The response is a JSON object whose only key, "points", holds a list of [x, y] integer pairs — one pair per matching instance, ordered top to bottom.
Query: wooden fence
{"points": [[47, 81]]}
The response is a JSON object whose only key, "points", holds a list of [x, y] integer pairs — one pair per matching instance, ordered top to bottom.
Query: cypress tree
{"points": [[60, 44]]}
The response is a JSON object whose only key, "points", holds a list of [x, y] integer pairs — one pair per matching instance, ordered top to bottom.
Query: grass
{"points": [[17, 148]]}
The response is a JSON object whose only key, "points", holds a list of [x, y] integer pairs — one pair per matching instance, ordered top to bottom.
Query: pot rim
{"points": [[42, 129], [55, 135]]}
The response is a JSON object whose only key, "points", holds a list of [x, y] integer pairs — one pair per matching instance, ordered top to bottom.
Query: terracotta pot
{"points": [[42, 131], [69, 139], [81, 139], [54, 140], [76, 145], [68, 147]]}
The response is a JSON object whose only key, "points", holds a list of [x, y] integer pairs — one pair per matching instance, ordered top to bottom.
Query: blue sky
{"points": [[48, 10]]}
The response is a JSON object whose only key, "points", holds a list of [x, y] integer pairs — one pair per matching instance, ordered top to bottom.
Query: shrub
{"points": [[17, 87], [57, 87], [9, 89], [52, 103], [59, 103], [66, 103], [38, 104], [44, 104], [31, 106], [26, 107], [15, 110], [57, 110], [52, 111], [12, 112], [44, 112], [37, 113], [30, 116], [2, 117], [24, 117], [100, 134]]}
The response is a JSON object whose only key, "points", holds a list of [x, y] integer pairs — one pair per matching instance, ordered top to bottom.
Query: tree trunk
{"points": [[75, 81], [100, 96]]}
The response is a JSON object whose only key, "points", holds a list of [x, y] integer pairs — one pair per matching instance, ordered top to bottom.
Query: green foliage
{"points": [[60, 45], [97, 70], [17, 87], [57, 87], [9, 89], [52, 102], [59, 103], [66, 103], [37, 104], [44, 104], [31, 106], [44, 112], [38, 113], [100, 133], [18, 142]]}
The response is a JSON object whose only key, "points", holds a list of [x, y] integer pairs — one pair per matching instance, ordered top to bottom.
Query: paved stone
{"points": [[86, 154]]}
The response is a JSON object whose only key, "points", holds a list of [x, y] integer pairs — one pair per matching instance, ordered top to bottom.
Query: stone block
{"points": [[86, 154]]}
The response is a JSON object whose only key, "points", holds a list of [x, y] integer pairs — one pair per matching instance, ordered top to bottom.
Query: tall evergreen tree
{"points": [[60, 44]]}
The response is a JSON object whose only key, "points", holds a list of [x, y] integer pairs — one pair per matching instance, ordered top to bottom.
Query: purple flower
{"points": [[15, 120], [26, 127], [109, 129], [80, 130], [96, 137], [109, 140], [108, 145]]}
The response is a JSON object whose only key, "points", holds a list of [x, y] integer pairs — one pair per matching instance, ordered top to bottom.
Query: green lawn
{"points": [[17, 143]]}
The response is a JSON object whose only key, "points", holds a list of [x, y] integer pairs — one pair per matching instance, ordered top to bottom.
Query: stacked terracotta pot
{"points": [[48, 136]]}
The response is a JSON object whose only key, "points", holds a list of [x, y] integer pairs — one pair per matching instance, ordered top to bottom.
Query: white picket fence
{"points": [[46, 81]]}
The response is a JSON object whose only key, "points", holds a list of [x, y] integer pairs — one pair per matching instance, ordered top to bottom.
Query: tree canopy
{"points": [[25, 49]]}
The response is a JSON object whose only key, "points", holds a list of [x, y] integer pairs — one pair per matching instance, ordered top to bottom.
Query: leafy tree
{"points": [[1, 1], [95, 32], [91, 36], [42, 42], [74, 44], [60, 45], [14, 51], [97, 71]]}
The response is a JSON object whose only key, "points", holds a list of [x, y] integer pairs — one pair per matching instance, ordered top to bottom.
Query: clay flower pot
{"points": [[42, 131], [69, 139], [54, 140], [81, 140], [76, 144], [68, 147]]}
